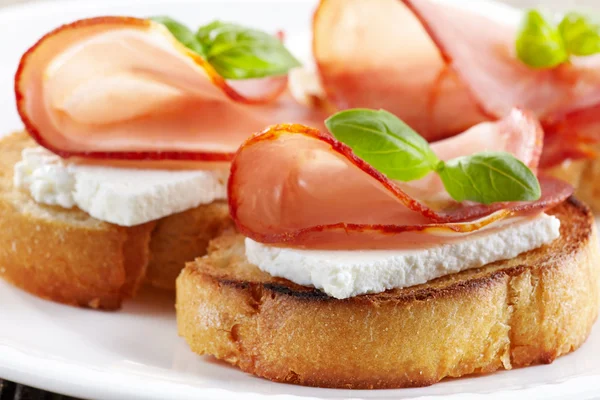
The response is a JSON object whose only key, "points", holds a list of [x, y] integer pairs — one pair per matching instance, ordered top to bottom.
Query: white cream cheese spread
{"points": [[122, 196], [346, 273]]}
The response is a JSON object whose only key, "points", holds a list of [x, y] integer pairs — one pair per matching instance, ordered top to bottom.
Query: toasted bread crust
{"points": [[584, 175], [588, 188], [181, 237], [69, 257], [528, 310]]}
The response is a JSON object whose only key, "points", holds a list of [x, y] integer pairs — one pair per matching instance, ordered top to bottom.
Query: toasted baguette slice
{"points": [[584, 175], [70, 257], [524, 311]]}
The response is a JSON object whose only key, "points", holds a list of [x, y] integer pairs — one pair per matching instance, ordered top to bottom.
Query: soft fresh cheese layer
{"points": [[122, 196], [342, 274]]}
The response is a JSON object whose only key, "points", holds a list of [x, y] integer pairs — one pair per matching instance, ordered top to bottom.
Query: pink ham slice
{"points": [[481, 51], [376, 54], [440, 67], [125, 88], [519, 134], [573, 136], [296, 186]]}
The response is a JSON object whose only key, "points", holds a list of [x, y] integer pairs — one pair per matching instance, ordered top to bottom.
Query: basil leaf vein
{"points": [[182, 33], [234, 51], [237, 52], [385, 142], [393, 148], [489, 177]]}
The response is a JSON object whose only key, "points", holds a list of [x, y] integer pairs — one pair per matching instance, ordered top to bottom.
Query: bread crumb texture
{"points": [[584, 175], [69, 257], [528, 310]]}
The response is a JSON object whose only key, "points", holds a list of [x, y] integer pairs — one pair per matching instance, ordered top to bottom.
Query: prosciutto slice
{"points": [[425, 47], [376, 54], [487, 64], [125, 88], [296, 186]]}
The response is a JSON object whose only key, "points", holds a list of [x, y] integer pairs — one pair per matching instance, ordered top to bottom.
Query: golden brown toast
{"points": [[584, 175], [70, 257], [528, 310]]}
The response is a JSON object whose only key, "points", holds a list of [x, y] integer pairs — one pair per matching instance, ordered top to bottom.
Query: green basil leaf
{"points": [[182, 33], [580, 35], [539, 44], [237, 52], [385, 142], [489, 177]]}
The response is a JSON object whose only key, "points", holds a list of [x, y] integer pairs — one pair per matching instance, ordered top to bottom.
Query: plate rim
{"points": [[48, 375], [83, 380]]}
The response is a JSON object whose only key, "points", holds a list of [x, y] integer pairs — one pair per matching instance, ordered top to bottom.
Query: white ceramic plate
{"points": [[136, 353]]}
